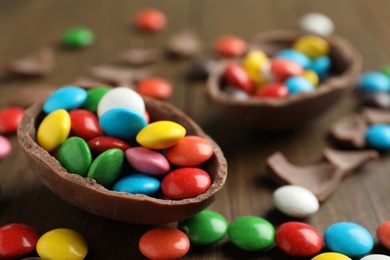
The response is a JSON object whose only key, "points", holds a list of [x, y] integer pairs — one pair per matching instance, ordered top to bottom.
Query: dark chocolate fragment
{"points": [[184, 44], [141, 57], [39, 63], [201, 69], [112, 75], [376, 99], [376, 116], [350, 131], [349, 160], [320, 178]]}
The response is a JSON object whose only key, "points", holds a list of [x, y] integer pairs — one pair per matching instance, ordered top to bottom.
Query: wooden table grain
{"points": [[26, 26]]}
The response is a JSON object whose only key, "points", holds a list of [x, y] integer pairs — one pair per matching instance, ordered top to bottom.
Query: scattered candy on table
{"points": [[150, 20], [316, 23], [77, 37], [230, 46], [155, 87], [10, 118], [378, 136], [5, 147], [383, 234], [62, 243]]}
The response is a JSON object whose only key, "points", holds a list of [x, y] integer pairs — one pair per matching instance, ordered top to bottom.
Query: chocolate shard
{"points": [[185, 43], [141, 57], [38, 63], [112, 75], [376, 116], [350, 131], [349, 160], [321, 178]]}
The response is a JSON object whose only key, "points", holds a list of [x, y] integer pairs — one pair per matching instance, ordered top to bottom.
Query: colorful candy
{"points": [[150, 19], [316, 23], [78, 37], [312, 45], [230, 46], [295, 56], [283, 69], [236, 76], [374, 81], [298, 84], [155, 87], [275, 90], [67, 98], [93, 98], [10, 118], [84, 124], [378, 136], [101, 144], [5, 147], [75, 156], [147, 161], [137, 184], [295, 201], [205, 228], [251, 233], [383, 233], [348, 238], [298, 239], [17, 240], [62, 243], [164, 243], [331, 256], [376, 257]]}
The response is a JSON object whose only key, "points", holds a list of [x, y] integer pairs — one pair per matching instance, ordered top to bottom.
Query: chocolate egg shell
{"points": [[296, 110], [85, 193]]}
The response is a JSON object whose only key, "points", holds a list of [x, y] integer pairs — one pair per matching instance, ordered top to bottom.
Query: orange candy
{"points": [[150, 20], [230, 46], [155, 87], [190, 151], [383, 233], [164, 243]]}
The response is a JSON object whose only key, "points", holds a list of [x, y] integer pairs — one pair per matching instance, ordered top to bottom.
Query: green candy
{"points": [[78, 37], [385, 70], [93, 97], [75, 156], [106, 168], [206, 227], [251, 233]]}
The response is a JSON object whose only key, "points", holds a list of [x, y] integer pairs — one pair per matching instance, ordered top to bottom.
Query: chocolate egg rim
{"points": [[345, 80], [27, 141]]}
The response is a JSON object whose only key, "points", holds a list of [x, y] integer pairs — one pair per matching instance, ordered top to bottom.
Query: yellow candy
{"points": [[311, 45], [252, 63], [311, 76], [54, 129], [160, 135], [62, 243], [331, 256]]}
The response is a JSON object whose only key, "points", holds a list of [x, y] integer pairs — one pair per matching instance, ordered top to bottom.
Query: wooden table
{"points": [[26, 26]]}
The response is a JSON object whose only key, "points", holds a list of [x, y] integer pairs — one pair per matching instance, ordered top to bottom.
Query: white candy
{"points": [[316, 23], [236, 93], [121, 97], [295, 201], [376, 257]]}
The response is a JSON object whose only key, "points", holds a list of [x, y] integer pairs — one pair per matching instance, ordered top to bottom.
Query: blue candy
{"points": [[295, 56], [321, 66], [374, 81], [298, 84], [67, 98], [122, 123], [378, 136], [138, 184], [349, 239]]}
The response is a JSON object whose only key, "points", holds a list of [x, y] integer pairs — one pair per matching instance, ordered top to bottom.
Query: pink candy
{"points": [[5, 147]]}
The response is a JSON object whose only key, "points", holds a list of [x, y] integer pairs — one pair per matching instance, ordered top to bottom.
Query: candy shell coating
{"points": [[150, 19], [316, 23], [78, 37], [312, 45], [230, 46], [296, 56], [252, 63], [321, 66], [284, 68], [236, 76], [311, 76], [374, 81], [298, 84], [155, 87], [276, 90], [121, 97], [67, 98], [93, 98], [10, 118], [122, 123], [84, 124], [54, 129], [161, 134], [378, 136], [101, 144], [5, 147], [190, 151], [75, 156], [147, 161], [186, 182], [137, 184], [295, 201], [205, 228], [251, 233], [383, 234], [298, 239], [349, 239], [17, 240], [62, 243], [164, 243], [331, 256], [376, 257]]}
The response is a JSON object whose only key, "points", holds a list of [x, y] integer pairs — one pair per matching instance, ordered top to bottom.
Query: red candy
{"points": [[150, 20], [230, 46], [283, 68], [238, 77], [155, 87], [272, 90], [10, 118], [84, 124], [101, 144], [190, 151], [185, 183], [383, 233], [298, 239], [17, 240], [164, 243]]}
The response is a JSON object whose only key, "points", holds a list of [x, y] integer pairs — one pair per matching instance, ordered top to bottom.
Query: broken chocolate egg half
{"points": [[86, 194]]}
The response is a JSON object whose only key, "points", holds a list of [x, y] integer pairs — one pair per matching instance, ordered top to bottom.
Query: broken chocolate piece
{"points": [[184, 44], [141, 57], [39, 63], [201, 69], [112, 75], [375, 99], [376, 116], [350, 131], [349, 160], [320, 178]]}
